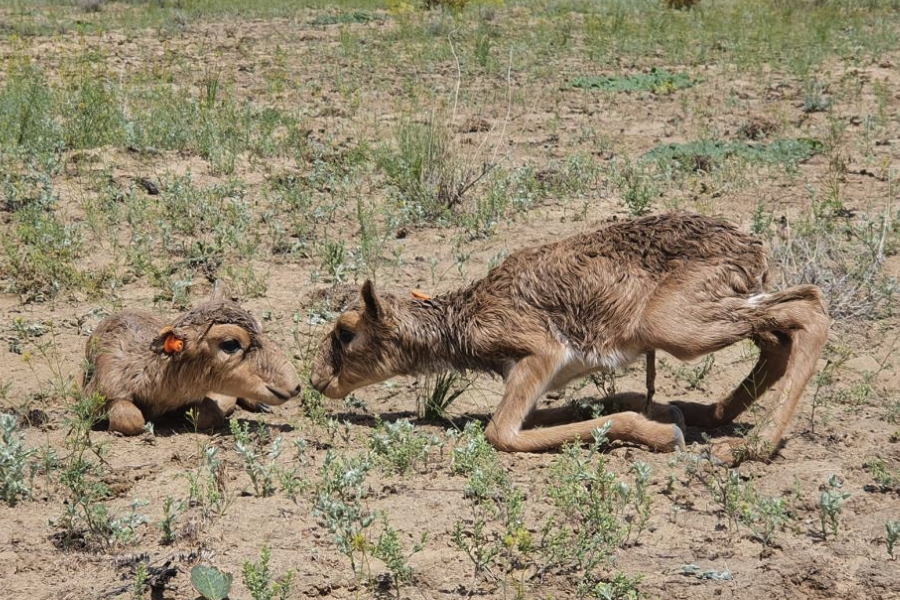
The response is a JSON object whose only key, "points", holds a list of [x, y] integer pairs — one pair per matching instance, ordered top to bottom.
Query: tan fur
{"points": [[682, 283], [225, 360]]}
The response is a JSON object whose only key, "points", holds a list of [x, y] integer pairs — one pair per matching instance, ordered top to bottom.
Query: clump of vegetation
{"points": [[681, 4], [356, 16], [658, 81], [704, 155], [431, 174], [844, 258], [442, 394], [399, 447], [263, 469], [17, 470], [885, 479], [831, 505], [87, 523], [893, 535], [260, 581]]}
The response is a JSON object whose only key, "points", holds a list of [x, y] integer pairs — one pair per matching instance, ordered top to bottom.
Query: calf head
{"points": [[222, 345], [363, 348]]}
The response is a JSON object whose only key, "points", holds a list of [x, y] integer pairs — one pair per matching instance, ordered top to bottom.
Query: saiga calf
{"points": [[682, 283], [210, 357]]}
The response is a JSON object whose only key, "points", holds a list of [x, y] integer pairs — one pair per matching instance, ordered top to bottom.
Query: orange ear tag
{"points": [[419, 295], [173, 345]]}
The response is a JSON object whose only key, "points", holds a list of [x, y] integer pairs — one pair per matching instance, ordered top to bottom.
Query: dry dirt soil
{"points": [[351, 85]]}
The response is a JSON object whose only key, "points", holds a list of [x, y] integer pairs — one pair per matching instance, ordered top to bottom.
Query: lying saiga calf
{"points": [[682, 283], [210, 357]]}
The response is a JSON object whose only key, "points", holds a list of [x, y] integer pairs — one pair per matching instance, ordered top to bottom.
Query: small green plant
{"points": [[658, 81], [636, 186], [693, 376], [444, 392], [399, 447], [16, 469], [263, 472], [887, 481], [207, 484], [338, 502], [831, 504], [170, 515], [86, 522], [893, 535], [389, 550], [259, 579], [140, 581], [210, 582], [621, 587]]}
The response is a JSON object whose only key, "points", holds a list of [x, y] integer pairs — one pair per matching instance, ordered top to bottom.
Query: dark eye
{"points": [[346, 336], [231, 346]]}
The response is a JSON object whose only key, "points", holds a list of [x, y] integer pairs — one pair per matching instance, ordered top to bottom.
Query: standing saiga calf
{"points": [[682, 283], [211, 357]]}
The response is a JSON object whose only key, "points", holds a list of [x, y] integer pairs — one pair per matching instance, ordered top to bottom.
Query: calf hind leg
{"points": [[790, 328]]}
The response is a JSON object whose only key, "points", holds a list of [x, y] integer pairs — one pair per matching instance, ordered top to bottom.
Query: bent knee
{"points": [[125, 418], [504, 441]]}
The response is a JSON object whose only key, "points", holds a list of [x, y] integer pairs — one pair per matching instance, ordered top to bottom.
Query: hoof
{"points": [[253, 406], [677, 418], [678, 434]]}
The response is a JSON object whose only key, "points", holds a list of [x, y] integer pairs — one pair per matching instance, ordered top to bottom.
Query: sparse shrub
{"points": [[431, 174], [636, 186], [843, 258], [693, 376], [399, 447], [471, 450], [16, 469], [262, 469], [886, 480], [207, 484], [338, 502], [741, 502], [831, 504], [170, 515], [87, 522], [893, 535], [389, 550], [259, 579]]}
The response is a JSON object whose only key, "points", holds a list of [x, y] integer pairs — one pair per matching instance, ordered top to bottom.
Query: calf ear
{"points": [[221, 291], [373, 306], [168, 342]]}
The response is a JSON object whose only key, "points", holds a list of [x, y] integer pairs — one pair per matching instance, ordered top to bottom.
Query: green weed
{"points": [[658, 81], [399, 448], [17, 470], [831, 504], [259, 579]]}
